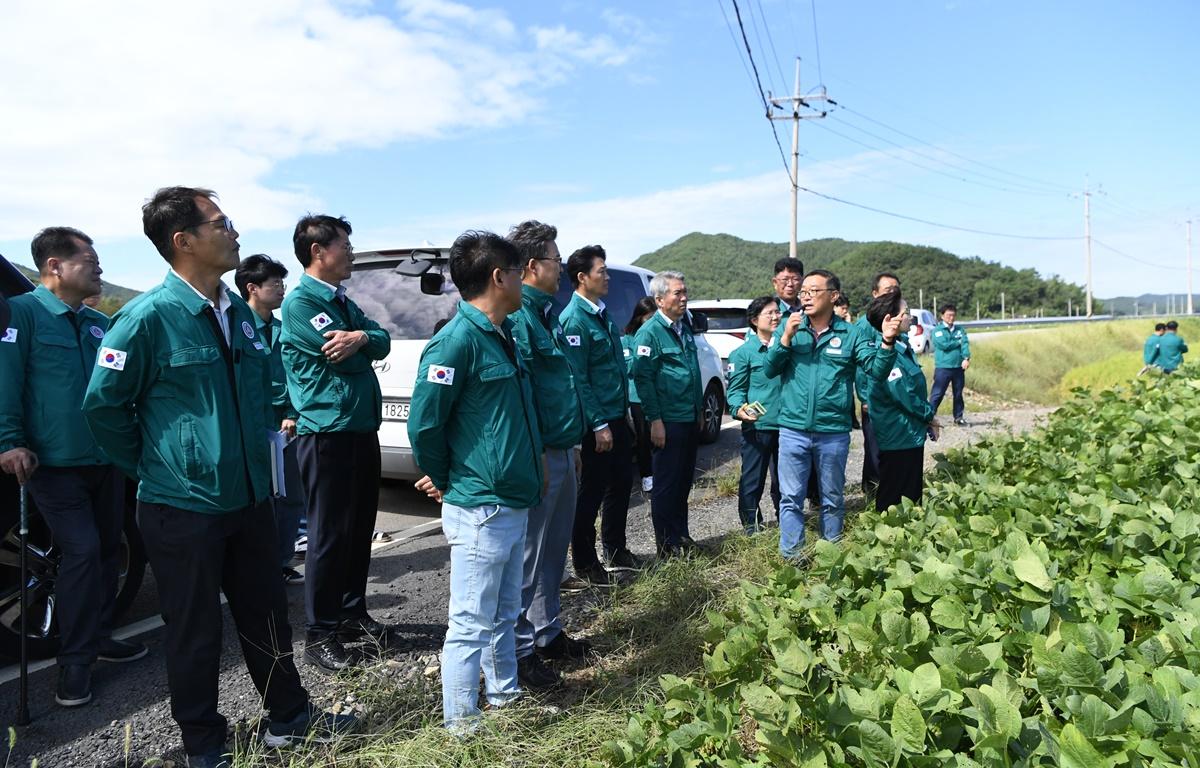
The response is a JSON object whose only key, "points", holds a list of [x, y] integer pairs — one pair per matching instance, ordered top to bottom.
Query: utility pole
{"points": [[790, 105], [1087, 237], [1189, 266], [921, 297], [1001, 305], [1068, 306], [977, 309]]}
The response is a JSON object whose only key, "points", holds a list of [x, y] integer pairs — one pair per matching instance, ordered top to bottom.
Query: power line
{"points": [[733, 37], [771, 42], [817, 42], [762, 94], [938, 224], [1135, 258]]}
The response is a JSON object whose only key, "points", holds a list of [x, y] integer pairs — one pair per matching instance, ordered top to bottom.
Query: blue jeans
{"points": [[944, 378], [760, 452], [799, 454], [289, 508], [546, 540], [486, 544]]}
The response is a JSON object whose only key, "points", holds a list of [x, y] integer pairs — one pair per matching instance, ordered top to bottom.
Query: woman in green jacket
{"points": [[900, 411]]}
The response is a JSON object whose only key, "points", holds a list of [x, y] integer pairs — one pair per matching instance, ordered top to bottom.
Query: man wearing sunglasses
{"points": [[179, 398]]}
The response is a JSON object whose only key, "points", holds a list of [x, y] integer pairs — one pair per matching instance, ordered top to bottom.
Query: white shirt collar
{"points": [[339, 291], [223, 304], [598, 306]]}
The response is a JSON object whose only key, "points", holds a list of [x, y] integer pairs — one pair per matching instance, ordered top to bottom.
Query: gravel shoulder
{"points": [[129, 721]]}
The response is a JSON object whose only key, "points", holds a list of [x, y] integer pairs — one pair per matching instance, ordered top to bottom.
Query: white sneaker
{"points": [[647, 484]]}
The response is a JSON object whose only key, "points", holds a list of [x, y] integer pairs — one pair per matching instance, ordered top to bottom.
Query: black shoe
{"points": [[960, 422], [691, 547], [623, 560], [292, 576], [596, 576], [573, 584], [353, 629], [563, 646], [121, 651], [327, 655], [532, 673], [74, 685], [311, 725], [214, 759]]}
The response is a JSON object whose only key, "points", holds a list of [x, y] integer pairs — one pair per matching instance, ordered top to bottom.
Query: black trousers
{"points": [[641, 440], [340, 471], [674, 471], [870, 475], [901, 475], [606, 479], [85, 509], [195, 557]]}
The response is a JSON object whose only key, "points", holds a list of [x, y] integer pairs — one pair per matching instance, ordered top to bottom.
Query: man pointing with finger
{"points": [[328, 345]]}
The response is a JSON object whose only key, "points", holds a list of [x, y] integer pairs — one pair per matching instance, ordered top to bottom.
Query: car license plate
{"points": [[394, 410]]}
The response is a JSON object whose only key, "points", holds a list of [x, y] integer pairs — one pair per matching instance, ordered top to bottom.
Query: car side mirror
{"points": [[431, 283], [699, 322]]}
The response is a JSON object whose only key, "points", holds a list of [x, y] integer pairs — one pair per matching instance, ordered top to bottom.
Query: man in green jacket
{"points": [[259, 280], [542, 344], [328, 347], [594, 347], [1150, 348], [1171, 348], [47, 353], [817, 354], [951, 359], [666, 373], [179, 398], [475, 433]]}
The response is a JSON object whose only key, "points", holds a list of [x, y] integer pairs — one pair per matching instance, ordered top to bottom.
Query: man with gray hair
{"points": [[666, 373]]}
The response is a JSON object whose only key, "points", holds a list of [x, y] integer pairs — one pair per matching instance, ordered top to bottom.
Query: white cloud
{"points": [[104, 102]]}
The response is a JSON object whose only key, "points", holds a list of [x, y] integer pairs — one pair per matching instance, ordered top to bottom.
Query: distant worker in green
{"points": [[1150, 348], [1171, 348], [47, 355], [951, 359], [179, 398], [900, 410]]}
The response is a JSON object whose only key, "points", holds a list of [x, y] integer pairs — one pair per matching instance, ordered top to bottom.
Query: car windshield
{"points": [[396, 302], [724, 319]]}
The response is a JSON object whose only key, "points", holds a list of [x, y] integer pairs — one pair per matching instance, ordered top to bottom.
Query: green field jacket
{"points": [[540, 339], [594, 346], [950, 346], [627, 348], [1171, 348], [47, 354], [666, 371], [818, 378], [748, 383], [328, 396], [281, 404], [899, 404], [175, 407], [472, 425]]}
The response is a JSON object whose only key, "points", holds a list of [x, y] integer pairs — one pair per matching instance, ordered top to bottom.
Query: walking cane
{"points": [[23, 686]]}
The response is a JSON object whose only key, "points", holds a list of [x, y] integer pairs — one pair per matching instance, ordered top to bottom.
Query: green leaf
{"points": [[1029, 569], [948, 611], [1079, 669], [926, 683], [762, 701], [908, 726], [878, 748], [1075, 751]]}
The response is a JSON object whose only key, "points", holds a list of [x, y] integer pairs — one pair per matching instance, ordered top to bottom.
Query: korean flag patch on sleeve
{"points": [[320, 321], [10, 336], [573, 341], [643, 351], [111, 358], [440, 374], [895, 374]]}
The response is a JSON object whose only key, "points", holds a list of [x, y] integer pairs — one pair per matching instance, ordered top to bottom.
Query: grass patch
{"points": [[1030, 366], [1106, 373], [651, 628]]}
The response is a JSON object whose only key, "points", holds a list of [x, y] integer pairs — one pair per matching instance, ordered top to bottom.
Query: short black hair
{"points": [[172, 210], [316, 229], [532, 238], [55, 241], [474, 255], [583, 260], [789, 264], [256, 270], [880, 276], [831, 280], [841, 301], [881, 306], [947, 307], [644, 308], [756, 308], [1172, 325], [1160, 326]]}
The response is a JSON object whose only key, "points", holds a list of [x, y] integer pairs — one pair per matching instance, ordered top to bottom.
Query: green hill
{"points": [[726, 267], [112, 297]]}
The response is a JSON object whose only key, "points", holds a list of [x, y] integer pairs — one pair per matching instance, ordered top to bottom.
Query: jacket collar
{"points": [[322, 288], [47, 299], [538, 299], [194, 301], [586, 303], [477, 318]]}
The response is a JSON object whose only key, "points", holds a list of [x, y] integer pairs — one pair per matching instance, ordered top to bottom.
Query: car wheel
{"points": [[712, 410], [43, 558]]}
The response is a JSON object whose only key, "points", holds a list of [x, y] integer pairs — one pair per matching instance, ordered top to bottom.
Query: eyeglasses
{"points": [[224, 221], [559, 262], [512, 269], [789, 280], [810, 292]]}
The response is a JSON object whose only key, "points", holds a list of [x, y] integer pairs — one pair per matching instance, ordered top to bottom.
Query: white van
{"points": [[408, 291]]}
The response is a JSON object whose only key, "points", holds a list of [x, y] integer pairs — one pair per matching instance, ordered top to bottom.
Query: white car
{"points": [[408, 291], [727, 326], [921, 329]]}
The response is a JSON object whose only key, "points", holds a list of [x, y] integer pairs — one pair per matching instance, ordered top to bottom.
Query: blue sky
{"points": [[624, 123]]}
